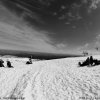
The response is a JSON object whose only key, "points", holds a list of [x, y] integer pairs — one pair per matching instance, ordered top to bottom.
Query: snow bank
{"points": [[59, 79]]}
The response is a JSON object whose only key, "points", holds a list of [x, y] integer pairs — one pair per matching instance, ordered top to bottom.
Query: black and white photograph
{"points": [[49, 49]]}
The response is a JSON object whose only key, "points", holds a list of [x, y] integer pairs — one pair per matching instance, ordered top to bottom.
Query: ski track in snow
{"points": [[59, 79]]}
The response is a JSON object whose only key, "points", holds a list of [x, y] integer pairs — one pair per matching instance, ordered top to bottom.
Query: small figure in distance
{"points": [[91, 60], [30, 61], [96, 62], [1, 63], [85, 63], [9, 64], [80, 64]]}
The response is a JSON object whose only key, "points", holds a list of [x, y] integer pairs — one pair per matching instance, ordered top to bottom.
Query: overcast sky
{"points": [[54, 26]]}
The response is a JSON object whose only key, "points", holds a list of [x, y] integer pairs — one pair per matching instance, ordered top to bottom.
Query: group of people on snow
{"points": [[90, 61], [8, 63]]}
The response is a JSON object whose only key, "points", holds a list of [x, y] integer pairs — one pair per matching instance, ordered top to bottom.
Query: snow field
{"points": [[59, 79]]}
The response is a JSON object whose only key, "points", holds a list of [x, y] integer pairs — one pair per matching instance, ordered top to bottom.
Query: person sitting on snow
{"points": [[91, 60], [30, 61], [96, 62], [1, 63], [85, 63], [9, 64]]}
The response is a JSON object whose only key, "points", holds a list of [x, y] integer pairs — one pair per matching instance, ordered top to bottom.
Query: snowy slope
{"points": [[59, 79]]}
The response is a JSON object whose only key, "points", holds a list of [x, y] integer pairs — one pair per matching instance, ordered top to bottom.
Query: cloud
{"points": [[94, 4], [23, 10], [16, 34], [24, 39], [29, 39], [97, 41], [61, 46], [84, 47], [91, 47]]}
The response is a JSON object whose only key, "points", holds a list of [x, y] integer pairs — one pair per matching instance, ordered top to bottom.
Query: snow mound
{"points": [[59, 79]]}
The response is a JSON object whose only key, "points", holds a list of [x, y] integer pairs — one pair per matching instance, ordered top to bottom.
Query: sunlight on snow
{"points": [[59, 79]]}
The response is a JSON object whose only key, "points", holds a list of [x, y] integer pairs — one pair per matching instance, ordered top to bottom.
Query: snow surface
{"points": [[60, 79]]}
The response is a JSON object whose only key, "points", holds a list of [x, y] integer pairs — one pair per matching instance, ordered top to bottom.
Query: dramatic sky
{"points": [[54, 26]]}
